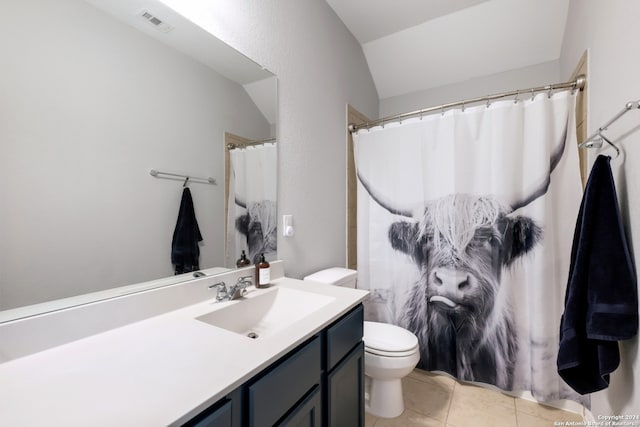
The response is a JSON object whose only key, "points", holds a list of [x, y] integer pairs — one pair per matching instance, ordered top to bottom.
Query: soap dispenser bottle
{"points": [[242, 261], [263, 273]]}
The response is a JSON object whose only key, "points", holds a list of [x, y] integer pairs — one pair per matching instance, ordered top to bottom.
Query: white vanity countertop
{"points": [[159, 371]]}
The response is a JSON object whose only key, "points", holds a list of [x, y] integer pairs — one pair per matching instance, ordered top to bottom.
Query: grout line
{"points": [[453, 390]]}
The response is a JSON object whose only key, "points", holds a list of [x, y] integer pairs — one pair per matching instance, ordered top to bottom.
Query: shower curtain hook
{"points": [[550, 92], [532, 94], [515, 100], [488, 102], [463, 106], [421, 111], [186, 181]]}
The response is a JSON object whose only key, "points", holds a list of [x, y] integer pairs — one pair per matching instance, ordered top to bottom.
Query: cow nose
{"points": [[451, 280]]}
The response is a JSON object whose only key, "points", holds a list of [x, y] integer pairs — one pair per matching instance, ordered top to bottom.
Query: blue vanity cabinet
{"points": [[344, 378], [319, 383], [345, 390], [277, 392], [307, 413], [218, 415]]}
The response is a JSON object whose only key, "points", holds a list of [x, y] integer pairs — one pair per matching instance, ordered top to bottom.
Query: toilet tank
{"points": [[336, 276]]}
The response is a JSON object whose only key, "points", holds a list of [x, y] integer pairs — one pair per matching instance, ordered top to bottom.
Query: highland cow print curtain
{"points": [[251, 216], [465, 226]]}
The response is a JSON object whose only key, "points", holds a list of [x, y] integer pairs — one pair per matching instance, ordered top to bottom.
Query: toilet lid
{"points": [[387, 338]]}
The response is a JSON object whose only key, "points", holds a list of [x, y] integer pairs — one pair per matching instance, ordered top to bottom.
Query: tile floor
{"points": [[439, 401]]}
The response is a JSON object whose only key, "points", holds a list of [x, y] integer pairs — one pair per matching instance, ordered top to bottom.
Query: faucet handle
{"points": [[245, 279], [222, 290]]}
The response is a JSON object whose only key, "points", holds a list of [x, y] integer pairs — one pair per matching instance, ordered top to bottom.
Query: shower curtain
{"points": [[251, 216], [465, 225]]}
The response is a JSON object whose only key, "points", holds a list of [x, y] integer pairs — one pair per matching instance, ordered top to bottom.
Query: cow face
{"points": [[259, 227], [461, 245]]}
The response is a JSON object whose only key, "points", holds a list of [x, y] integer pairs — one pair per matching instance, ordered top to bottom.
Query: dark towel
{"points": [[184, 247], [601, 302]]}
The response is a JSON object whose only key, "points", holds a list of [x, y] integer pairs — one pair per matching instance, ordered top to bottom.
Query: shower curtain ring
{"points": [[550, 92], [532, 95], [515, 100], [488, 102], [463, 106], [186, 181]]}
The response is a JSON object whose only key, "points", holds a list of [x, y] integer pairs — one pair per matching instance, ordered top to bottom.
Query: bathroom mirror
{"points": [[94, 95]]}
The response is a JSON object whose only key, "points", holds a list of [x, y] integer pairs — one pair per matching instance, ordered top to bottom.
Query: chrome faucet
{"points": [[234, 292]]}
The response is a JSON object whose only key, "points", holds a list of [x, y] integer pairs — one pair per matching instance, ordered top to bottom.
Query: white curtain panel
{"points": [[252, 222], [464, 236]]}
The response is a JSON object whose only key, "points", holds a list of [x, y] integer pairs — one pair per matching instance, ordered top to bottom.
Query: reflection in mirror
{"points": [[93, 96], [251, 198]]}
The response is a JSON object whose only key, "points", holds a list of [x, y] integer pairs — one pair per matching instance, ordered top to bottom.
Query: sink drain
{"points": [[252, 335]]}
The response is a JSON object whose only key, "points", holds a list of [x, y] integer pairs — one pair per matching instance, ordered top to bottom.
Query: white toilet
{"points": [[390, 353]]}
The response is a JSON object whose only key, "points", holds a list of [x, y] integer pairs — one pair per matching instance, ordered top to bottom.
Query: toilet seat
{"points": [[388, 340], [390, 353]]}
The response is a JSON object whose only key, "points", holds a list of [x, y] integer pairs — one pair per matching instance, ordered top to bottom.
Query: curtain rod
{"points": [[578, 84], [232, 146], [188, 178]]}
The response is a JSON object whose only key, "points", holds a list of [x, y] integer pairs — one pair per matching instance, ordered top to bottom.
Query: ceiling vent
{"points": [[155, 22]]}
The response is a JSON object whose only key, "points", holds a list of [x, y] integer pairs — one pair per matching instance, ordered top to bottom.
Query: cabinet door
{"points": [[345, 391], [274, 394], [307, 413], [217, 416]]}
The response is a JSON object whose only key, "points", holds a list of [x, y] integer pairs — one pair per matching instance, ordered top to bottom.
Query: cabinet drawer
{"points": [[344, 335], [281, 388]]}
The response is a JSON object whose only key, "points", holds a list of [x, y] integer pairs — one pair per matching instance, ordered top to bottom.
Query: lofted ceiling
{"points": [[414, 45]]}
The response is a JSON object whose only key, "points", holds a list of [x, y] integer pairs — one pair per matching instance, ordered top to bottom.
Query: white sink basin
{"points": [[262, 314]]}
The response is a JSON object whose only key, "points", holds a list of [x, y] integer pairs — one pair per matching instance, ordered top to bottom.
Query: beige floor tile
{"points": [[441, 380], [475, 393], [426, 398], [479, 407], [547, 412], [409, 418], [369, 420], [526, 420]]}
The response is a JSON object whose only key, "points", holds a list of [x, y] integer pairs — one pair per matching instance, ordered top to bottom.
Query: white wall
{"points": [[610, 31], [321, 68], [521, 78], [87, 107]]}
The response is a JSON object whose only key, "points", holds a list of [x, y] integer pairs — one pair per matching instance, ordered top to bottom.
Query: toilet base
{"points": [[384, 397]]}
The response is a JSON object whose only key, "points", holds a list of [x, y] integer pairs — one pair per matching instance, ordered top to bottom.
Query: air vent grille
{"points": [[154, 21]]}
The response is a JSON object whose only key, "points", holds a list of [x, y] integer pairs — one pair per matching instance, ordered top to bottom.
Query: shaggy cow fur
{"points": [[461, 245]]}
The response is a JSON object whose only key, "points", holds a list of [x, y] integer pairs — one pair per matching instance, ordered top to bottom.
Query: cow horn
{"points": [[541, 187], [380, 199], [241, 203]]}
